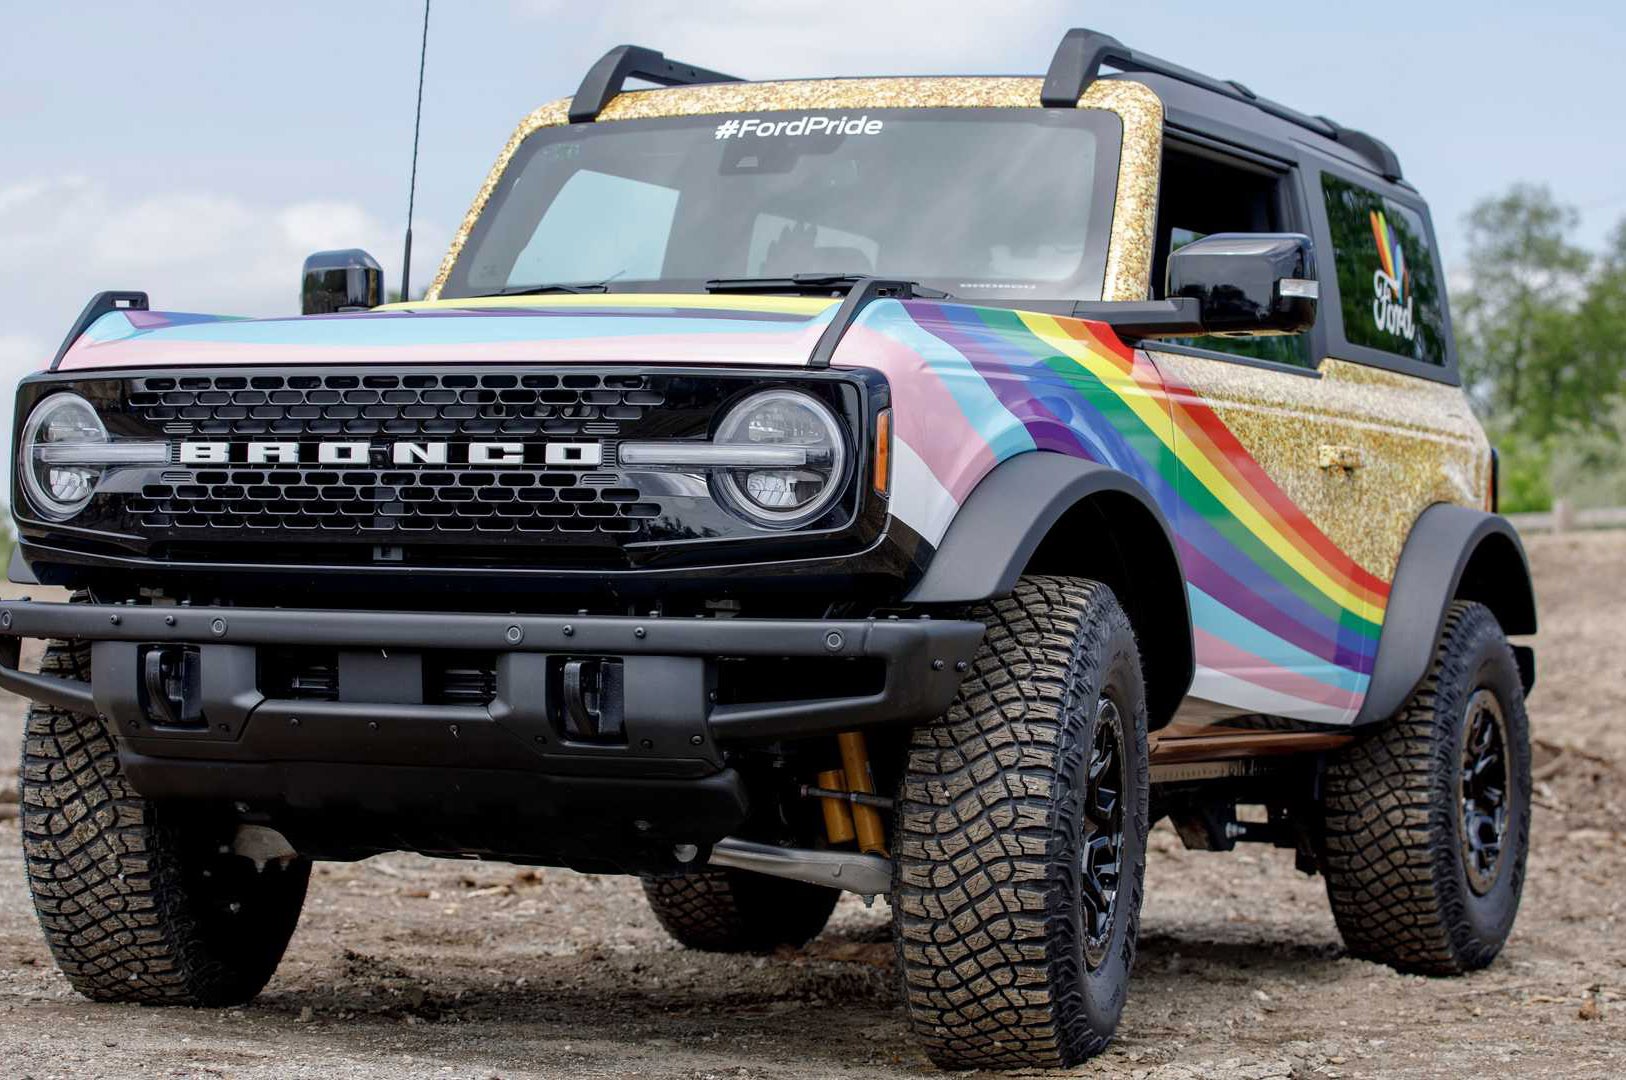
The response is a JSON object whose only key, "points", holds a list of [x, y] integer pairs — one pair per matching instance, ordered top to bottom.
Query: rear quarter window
{"points": [[1390, 296]]}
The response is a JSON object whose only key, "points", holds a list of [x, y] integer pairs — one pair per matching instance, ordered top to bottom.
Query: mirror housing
{"points": [[335, 281], [1248, 283]]}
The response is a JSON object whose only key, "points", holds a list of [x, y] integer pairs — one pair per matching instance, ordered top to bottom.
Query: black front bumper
{"points": [[420, 773]]}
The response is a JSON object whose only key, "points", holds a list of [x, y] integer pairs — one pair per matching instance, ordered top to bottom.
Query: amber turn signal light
{"points": [[883, 452]]}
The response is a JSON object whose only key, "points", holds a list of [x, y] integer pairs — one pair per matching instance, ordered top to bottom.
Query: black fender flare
{"points": [[1046, 506], [1452, 553]]}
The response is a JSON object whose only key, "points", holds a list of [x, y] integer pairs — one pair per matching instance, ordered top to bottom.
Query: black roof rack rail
{"points": [[1083, 53], [606, 78], [1369, 147]]}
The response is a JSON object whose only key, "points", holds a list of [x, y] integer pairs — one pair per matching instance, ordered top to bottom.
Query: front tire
{"points": [[1428, 821], [1021, 837], [140, 902]]}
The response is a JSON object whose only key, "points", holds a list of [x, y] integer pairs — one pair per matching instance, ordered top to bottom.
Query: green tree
{"points": [[1601, 331], [1522, 336]]}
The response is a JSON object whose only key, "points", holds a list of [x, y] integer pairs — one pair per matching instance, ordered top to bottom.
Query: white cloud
{"points": [[312, 226], [171, 231], [67, 238], [189, 250], [19, 354]]}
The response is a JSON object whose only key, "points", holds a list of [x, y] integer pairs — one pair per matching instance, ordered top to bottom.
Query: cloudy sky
{"points": [[199, 150]]}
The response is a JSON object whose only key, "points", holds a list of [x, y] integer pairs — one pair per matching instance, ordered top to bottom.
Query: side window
{"points": [[1202, 195], [1388, 293]]}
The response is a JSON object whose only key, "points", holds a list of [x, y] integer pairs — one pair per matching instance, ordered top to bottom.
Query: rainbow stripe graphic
{"points": [[1390, 253], [1285, 623]]}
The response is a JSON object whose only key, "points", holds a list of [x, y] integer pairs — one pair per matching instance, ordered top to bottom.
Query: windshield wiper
{"points": [[820, 284], [601, 285], [551, 287]]}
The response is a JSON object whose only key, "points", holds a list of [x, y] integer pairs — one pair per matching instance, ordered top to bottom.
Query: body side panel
{"points": [[1411, 444], [1417, 444], [1273, 596]]}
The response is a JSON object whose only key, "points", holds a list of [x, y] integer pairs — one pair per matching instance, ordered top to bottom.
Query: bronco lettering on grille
{"points": [[398, 453]]}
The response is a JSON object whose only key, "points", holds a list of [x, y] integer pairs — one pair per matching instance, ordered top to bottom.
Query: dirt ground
{"points": [[404, 966]]}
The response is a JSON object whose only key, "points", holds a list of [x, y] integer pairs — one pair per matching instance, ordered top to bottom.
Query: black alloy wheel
{"points": [[1482, 823], [1100, 853]]}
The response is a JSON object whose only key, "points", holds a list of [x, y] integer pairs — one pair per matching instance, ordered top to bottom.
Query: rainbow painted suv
{"points": [[914, 487]]}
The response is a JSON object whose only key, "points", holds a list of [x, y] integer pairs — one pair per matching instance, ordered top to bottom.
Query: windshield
{"points": [[981, 203]]}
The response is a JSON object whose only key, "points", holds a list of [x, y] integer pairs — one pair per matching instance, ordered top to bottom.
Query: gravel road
{"points": [[404, 966]]}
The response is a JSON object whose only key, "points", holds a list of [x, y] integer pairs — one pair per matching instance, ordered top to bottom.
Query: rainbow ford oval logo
{"points": [[1391, 282]]}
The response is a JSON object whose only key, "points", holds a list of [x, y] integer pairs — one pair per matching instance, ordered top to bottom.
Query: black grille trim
{"points": [[422, 404], [402, 406], [434, 500]]}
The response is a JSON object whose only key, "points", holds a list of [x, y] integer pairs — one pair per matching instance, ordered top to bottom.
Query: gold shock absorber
{"points": [[866, 819], [838, 820]]}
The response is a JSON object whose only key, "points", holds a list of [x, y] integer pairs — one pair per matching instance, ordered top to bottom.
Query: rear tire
{"points": [[1428, 820], [1021, 837], [138, 901], [738, 911]]}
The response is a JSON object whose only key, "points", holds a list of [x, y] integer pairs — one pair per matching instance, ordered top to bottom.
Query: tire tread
{"points": [[1390, 827], [108, 882], [737, 911], [985, 945]]}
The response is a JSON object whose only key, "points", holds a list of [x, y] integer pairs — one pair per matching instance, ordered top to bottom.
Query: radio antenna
{"points": [[412, 187]]}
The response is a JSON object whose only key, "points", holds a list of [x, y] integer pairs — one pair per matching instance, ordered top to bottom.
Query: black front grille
{"points": [[406, 405], [375, 465], [383, 501]]}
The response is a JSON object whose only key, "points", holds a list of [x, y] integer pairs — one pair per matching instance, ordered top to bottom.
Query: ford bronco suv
{"points": [[914, 487]]}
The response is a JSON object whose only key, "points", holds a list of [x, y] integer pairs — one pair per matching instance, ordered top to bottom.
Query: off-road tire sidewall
{"points": [[1393, 856], [135, 899], [987, 906], [1480, 924], [1106, 988]]}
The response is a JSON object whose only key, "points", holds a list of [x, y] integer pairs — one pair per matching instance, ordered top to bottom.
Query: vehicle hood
{"points": [[616, 328]]}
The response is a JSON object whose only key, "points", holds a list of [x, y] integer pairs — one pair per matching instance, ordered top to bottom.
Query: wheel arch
{"points": [[1054, 514], [1452, 553]]}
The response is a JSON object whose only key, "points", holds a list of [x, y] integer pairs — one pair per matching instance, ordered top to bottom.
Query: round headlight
{"points": [[59, 489], [783, 497]]}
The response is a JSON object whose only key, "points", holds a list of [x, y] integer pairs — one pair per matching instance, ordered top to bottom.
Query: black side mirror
{"points": [[333, 281], [1248, 283]]}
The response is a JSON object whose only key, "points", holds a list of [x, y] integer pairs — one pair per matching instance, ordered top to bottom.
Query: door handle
{"points": [[1332, 456]]}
